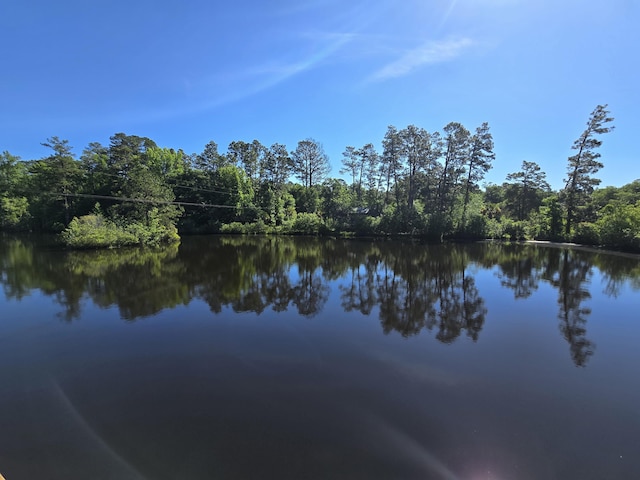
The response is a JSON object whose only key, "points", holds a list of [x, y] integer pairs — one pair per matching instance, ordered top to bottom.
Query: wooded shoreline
{"points": [[423, 184]]}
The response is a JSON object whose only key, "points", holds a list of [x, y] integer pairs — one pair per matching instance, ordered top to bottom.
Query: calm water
{"points": [[296, 358]]}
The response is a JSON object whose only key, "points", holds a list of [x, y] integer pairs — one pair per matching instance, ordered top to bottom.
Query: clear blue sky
{"points": [[187, 72]]}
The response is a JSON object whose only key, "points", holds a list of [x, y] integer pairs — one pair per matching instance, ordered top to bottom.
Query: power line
{"points": [[222, 191], [230, 192], [144, 200]]}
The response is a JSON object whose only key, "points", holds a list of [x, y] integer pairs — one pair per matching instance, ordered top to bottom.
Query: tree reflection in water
{"points": [[571, 273], [413, 287]]}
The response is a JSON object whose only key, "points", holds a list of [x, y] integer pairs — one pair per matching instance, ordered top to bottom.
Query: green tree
{"points": [[456, 143], [418, 151], [126, 152], [248, 156], [210, 160], [166, 162], [351, 162], [391, 162], [94, 163], [310, 163], [478, 164], [584, 164], [277, 165], [363, 166], [12, 173], [139, 173], [57, 177], [147, 189], [526, 193], [234, 194], [628, 194], [307, 199], [374, 199], [337, 201], [14, 205], [14, 212], [550, 224], [619, 225]]}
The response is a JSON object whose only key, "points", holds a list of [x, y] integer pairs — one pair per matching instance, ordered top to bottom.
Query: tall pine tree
{"points": [[584, 164]]}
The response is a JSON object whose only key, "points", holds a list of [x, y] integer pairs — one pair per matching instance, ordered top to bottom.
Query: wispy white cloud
{"points": [[426, 54]]}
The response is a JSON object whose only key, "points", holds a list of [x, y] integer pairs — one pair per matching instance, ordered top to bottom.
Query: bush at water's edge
{"points": [[95, 231]]}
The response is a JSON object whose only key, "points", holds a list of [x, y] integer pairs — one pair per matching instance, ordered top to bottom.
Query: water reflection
{"points": [[569, 272], [410, 287]]}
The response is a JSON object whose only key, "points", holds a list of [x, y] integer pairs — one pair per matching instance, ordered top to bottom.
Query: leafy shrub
{"points": [[14, 213], [306, 224], [366, 225], [619, 226], [476, 227], [234, 228], [254, 228], [495, 228], [514, 230], [95, 231], [586, 233]]}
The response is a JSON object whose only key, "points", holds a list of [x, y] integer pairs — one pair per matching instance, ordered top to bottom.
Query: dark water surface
{"points": [[297, 358]]}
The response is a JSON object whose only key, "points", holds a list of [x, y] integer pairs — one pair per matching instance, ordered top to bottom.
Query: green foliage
{"points": [[248, 156], [165, 162], [309, 162], [584, 164], [12, 174], [54, 182], [423, 184], [146, 188], [235, 193], [526, 193], [494, 194], [307, 199], [337, 202], [287, 208], [14, 213], [402, 219], [551, 223], [307, 224], [366, 225], [438, 225], [619, 226], [476, 227], [234, 228], [254, 228], [494, 229], [513, 229], [95, 231], [155, 231], [586, 233]]}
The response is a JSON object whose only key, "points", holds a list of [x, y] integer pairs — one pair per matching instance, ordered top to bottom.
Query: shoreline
{"points": [[580, 246]]}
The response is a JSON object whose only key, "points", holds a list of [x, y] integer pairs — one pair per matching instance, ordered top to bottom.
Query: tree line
{"points": [[422, 183]]}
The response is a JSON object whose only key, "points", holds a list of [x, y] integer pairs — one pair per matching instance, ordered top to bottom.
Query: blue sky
{"points": [[340, 71]]}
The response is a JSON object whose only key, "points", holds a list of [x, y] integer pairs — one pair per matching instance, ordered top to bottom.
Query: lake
{"points": [[305, 358]]}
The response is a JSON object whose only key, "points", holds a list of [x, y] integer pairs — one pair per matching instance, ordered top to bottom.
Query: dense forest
{"points": [[419, 183]]}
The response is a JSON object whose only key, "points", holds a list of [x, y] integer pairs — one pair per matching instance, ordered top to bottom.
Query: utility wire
{"points": [[223, 191], [144, 200]]}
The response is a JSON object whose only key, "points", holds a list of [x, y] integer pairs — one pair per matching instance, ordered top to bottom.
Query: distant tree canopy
{"points": [[419, 182]]}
